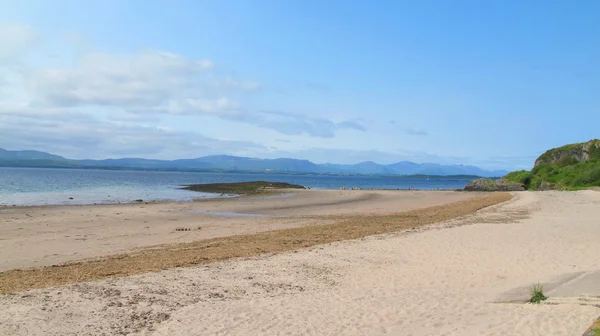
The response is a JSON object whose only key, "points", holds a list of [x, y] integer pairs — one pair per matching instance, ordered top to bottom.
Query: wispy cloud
{"points": [[15, 40], [152, 82], [355, 124], [415, 131], [82, 136]]}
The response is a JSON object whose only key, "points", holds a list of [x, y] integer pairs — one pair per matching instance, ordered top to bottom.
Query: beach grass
{"points": [[164, 257], [537, 294]]}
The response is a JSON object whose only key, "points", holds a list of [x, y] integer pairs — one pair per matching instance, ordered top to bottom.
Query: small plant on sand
{"points": [[537, 294]]}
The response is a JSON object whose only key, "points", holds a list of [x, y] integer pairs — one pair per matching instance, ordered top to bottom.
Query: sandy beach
{"points": [[40, 236], [448, 278]]}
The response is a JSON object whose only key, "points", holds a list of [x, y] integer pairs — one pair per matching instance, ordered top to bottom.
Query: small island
{"points": [[241, 188]]}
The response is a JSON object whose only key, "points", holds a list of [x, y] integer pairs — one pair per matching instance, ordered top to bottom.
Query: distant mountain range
{"points": [[236, 163]]}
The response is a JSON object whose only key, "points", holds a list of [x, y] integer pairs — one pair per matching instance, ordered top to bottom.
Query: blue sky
{"points": [[489, 83]]}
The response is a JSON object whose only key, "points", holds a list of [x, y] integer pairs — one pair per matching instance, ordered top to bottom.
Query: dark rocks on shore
{"points": [[484, 184]]}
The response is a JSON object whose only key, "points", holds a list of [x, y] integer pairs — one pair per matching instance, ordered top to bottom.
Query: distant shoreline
{"points": [[222, 171]]}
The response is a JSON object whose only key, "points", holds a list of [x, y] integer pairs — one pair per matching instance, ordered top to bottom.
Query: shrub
{"points": [[522, 176], [537, 294]]}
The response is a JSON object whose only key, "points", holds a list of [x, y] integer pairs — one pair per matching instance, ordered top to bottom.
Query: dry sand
{"points": [[441, 280]]}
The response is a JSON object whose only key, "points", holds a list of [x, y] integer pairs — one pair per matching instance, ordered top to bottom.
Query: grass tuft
{"points": [[537, 294]]}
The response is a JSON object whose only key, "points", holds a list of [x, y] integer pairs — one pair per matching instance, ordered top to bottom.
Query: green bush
{"points": [[522, 176], [588, 176], [537, 294]]}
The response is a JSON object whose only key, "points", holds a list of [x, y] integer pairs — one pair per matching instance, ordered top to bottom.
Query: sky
{"points": [[487, 83]]}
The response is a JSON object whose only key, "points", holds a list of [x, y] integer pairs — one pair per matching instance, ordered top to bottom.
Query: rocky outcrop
{"points": [[580, 152], [483, 184], [547, 186]]}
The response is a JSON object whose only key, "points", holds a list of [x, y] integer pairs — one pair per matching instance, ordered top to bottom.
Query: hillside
{"points": [[6, 155], [236, 163], [573, 166]]}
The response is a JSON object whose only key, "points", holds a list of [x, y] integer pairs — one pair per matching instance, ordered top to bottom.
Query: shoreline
{"points": [[216, 197]]}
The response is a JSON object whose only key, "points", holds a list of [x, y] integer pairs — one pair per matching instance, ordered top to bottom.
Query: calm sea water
{"points": [[37, 186]]}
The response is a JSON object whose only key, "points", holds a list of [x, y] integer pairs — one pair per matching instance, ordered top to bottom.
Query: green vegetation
{"points": [[571, 167], [423, 176], [522, 176], [556, 176], [241, 188], [537, 294], [595, 328]]}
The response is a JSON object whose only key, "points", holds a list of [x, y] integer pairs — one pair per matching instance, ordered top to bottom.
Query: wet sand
{"points": [[41, 236]]}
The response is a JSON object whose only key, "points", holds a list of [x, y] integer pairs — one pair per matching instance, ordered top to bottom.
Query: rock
{"points": [[579, 152], [483, 184], [547, 186]]}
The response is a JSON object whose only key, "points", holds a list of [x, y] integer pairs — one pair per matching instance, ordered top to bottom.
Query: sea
{"points": [[49, 186]]}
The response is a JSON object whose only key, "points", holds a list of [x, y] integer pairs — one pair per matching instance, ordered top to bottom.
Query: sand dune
{"points": [[441, 280]]}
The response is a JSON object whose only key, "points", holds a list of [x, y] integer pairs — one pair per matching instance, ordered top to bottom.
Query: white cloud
{"points": [[16, 39], [126, 81], [159, 82], [106, 104], [221, 107]]}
